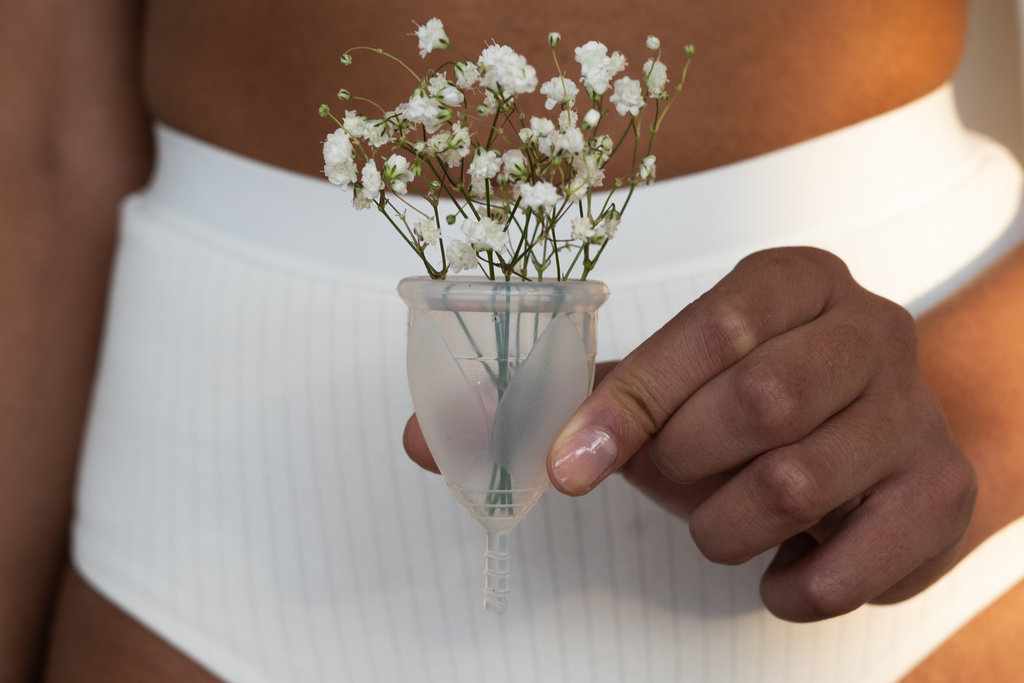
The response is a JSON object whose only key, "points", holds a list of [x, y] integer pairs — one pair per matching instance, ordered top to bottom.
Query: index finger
{"points": [[767, 294]]}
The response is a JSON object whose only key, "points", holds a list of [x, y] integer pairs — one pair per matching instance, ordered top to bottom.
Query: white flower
{"points": [[432, 36], [554, 38], [653, 43], [618, 63], [597, 67], [504, 70], [466, 74], [656, 75], [559, 91], [450, 96], [628, 96], [489, 106], [424, 110], [567, 119], [591, 120], [355, 124], [541, 127], [378, 133], [526, 135], [439, 142], [569, 143], [456, 146], [338, 148], [486, 163], [515, 163], [647, 169], [398, 172], [343, 174], [588, 174], [372, 184], [480, 187], [542, 195], [361, 201], [610, 225], [582, 228], [427, 230], [485, 234], [461, 256]]}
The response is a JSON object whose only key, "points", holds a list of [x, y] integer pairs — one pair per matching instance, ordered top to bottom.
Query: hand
{"points": [[794, 396]]}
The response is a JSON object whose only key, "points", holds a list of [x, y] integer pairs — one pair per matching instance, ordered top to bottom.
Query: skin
{"points": [[84, 80]]}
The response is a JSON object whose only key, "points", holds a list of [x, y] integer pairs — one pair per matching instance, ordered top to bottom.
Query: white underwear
{"points": [[244, 491]]}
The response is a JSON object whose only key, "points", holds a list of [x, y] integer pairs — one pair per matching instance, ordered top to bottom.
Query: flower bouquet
{"points": [[499, 361]]}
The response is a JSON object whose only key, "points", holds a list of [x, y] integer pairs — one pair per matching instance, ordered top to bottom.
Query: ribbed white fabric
{"points": [[244, 492]]}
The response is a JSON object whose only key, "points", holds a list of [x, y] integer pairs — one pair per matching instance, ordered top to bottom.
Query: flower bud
{"points": [[554, 38], [653, 43], [688, 50], [346, 59], [344, 94], [481, 109], [324, 110], [444, 115], [591, 120], [420, 147], [417, 168], [434, 185], [450, 219]]}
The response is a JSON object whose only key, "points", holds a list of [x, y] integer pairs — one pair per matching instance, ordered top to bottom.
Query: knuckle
{"points": [[897, 324], [726, 329], [635, 397], [772, 399], [791, 493]]}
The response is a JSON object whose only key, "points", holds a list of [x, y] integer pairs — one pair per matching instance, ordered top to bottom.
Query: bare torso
{"points": [[250, 75]]}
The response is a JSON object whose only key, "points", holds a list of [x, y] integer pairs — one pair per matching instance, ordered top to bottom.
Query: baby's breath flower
{"points": [[432, 36], [554, 38], [653, 43], [618, 63], [595, 65], [505, 71], [466, 74], [656, 75], [435, 84], [559, 91], [344, 95], [450, 96], [628, 96], [489, 106], [421, 109], [567, 119], [591, 120], [541, 127], [377, 132], [526, 135], [568, 143], [456, 146], [419, 147], [338, 148], [486, 163], [516, 164], [647, 169], [398, 172], [342, 174], [588, 174], [371, 181], [480, 187], [542, 196], [361, 202], [610, 225], [582, 228], [427, 230], [485, 234], [461, 256]]}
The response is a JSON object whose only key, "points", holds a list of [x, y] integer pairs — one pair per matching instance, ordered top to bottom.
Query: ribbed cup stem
{"points": [[496, 572]]}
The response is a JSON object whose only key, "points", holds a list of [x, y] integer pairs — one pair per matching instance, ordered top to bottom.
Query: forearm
{"points": [[75, 140], [972, 354]]}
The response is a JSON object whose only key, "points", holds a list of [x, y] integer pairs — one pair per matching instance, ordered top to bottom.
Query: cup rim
{"points": [[477, 293]]}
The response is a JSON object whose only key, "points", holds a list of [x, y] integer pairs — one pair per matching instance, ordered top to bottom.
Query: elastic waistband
{"points": [[863, 175]]}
